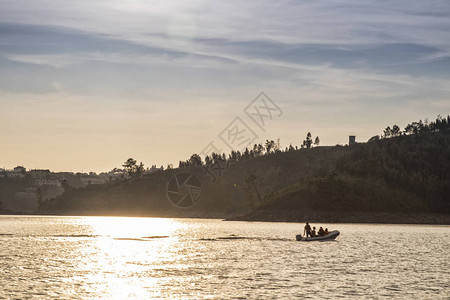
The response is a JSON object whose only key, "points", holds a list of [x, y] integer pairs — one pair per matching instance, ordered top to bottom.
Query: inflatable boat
{"points": [[328, 237]]}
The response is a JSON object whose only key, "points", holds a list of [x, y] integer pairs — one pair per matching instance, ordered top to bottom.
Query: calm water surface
{"points": [[119, 258]]}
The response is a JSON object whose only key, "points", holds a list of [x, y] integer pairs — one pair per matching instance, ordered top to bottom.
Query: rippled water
{"points": [[104, 257]]}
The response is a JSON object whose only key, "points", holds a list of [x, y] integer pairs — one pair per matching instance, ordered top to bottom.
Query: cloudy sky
{"points": [[86, 84]]}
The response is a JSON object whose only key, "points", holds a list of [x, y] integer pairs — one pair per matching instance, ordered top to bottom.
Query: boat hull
{"points": [[329, 237]]}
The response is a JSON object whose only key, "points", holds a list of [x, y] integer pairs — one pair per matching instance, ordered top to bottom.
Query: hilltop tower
{"points": [[351, 140]]}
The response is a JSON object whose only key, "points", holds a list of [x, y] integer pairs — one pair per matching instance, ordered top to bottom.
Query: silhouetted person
{"points": [[307, 230], [321, 231], [326, 231], [313, 232]]}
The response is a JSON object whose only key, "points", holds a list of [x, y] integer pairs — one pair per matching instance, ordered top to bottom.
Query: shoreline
{"points": [[130, 214], [273, 216], [345, 217]]}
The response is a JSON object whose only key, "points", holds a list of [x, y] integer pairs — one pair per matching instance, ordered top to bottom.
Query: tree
{"points": [[441, 124], [420, 126], [416, 127], [408, 129], [395, 131], [387, 132], [316, 141], [308, 142], [270, 145], [277, 146], [260, 149], [255, 150], [246, 153], [215, 158], [195, 160], [132, 168], [139, 170]]}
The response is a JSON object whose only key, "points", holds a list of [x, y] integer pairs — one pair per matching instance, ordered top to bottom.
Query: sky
{"points": [[84, 85]]}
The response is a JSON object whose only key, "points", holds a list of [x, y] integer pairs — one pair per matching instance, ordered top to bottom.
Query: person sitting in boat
{"points": [[307, 230], [321, 231], [326, 231], [313, 232]]}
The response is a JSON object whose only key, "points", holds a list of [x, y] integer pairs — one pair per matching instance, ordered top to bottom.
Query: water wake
{"points": [[76, 235], [233, 237], [143, 239]]}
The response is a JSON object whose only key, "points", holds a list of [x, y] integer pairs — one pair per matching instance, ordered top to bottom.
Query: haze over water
{"points": [[106, 257]]}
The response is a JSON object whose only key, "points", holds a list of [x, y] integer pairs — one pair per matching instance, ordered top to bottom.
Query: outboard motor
{"points": [[298, 237]]}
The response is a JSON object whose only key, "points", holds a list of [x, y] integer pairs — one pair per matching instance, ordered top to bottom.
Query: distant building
{"points": [[351, 139], [20, 169], [93, 180], [47, 182]]}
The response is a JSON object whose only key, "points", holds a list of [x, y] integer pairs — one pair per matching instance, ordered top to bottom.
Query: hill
{"points": [[398, 174], [401, 174], [379, 181], [224, 187]]}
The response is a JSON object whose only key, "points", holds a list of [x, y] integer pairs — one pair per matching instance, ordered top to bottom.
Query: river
{"points": [[144, 258]]}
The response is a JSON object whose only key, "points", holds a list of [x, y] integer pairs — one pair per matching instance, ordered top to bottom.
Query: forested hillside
{"points": [[398, 172]]}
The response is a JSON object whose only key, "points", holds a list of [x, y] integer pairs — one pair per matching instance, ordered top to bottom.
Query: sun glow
{"points": [[121, 261]]}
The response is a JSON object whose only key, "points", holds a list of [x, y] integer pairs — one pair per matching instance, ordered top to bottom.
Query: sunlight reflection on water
{"points": [[119, 258], [115, 263]]}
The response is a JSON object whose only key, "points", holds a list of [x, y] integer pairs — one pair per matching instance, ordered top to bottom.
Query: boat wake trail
{"points": [[76, 235], [233, 237], [142, 239]]}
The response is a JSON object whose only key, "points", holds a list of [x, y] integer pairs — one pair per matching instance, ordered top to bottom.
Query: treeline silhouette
{"points": [[439, 125], [271, 146], [258, 150]]}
